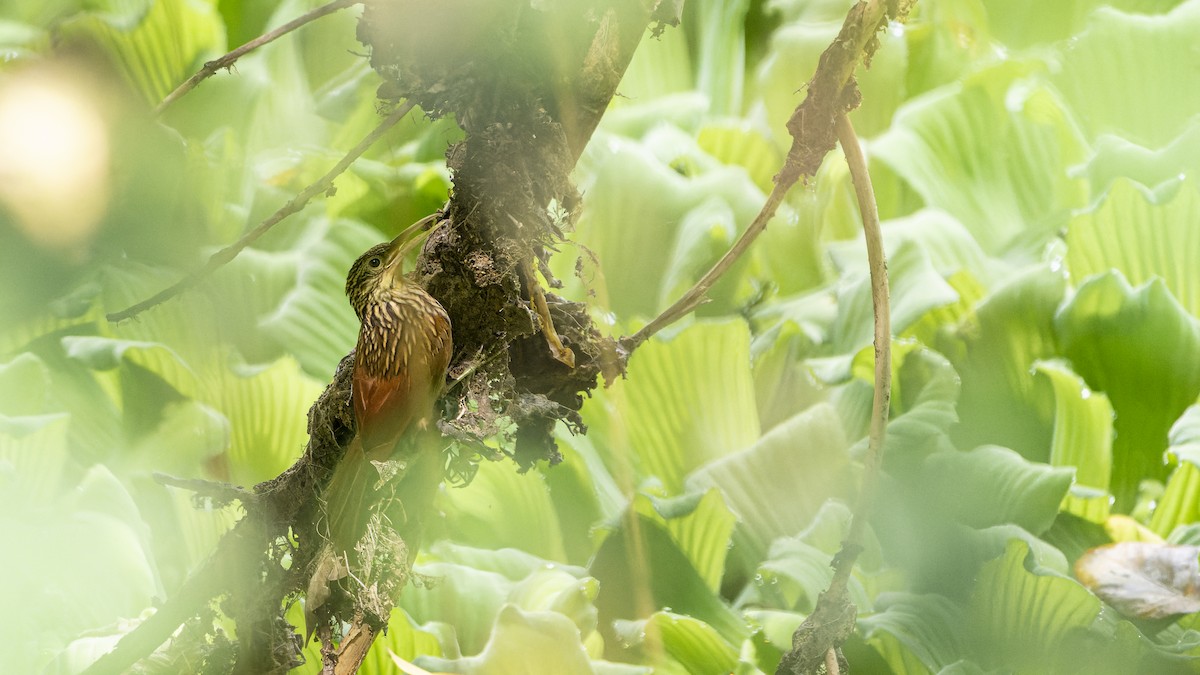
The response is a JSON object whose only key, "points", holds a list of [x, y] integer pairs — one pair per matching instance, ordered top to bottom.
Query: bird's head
{"points": [[378, 270]]}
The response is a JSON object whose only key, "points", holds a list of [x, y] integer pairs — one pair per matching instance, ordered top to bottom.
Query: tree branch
{"points": [[228, 60], [297, 203]]}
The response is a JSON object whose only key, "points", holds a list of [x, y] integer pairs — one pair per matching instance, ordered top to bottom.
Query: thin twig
{"points": [[210, 68], [830, 95], [297, 203], [877, 259], [695, 295]]}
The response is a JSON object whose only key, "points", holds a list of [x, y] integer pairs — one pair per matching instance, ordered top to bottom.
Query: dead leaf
{"points": [[1143, 580]]}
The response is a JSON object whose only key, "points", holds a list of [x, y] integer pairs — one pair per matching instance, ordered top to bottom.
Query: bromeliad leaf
{"points": [[992, 152], [1141, 237], [1134, 345]]}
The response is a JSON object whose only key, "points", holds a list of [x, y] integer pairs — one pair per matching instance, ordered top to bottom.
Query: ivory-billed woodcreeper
{"points": [[400, 363]]}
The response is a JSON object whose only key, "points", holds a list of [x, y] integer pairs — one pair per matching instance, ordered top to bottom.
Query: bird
{"points": [[403, 351]]}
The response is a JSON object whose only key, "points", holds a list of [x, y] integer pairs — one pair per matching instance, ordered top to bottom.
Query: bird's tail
{"points": [[348, 498]]}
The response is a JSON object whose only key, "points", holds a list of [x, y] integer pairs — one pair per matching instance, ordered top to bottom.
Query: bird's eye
{"points": [[373, 262]]}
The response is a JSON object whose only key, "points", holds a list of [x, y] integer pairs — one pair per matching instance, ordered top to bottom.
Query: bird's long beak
{"points": [[407, 240]]}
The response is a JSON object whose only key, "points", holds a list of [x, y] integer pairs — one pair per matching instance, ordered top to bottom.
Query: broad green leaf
{"points": [[945, 41], [155, 44], [721, 53], [661, 66], [1124, 74], [744, 145], [992, 151], [1158, 169], [639, 194], [1143, 239], [947, 245], [916, 288], [1011, 330], [1128, 343], [101, 353], [24, 385], [783, 385], [687, 400], [267, 409], [926, 411], [1083, 422], [189, 434], [35, 450], [802, 462], [991, 485], [1180, 503], [503, 508], [199, 525], [700, 525], [93, 546], [514, 564], [798, 569], [641, 570], [470, 599], [1022, 615], [916, 633], [404, 638], [526, 642], [691, 643]]}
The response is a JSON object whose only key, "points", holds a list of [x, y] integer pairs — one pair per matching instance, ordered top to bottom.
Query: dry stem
{"points": [[228, 60], [297, 203], [844, 562]]}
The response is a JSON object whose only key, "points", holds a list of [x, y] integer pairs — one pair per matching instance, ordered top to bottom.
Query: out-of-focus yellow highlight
{"points": [[54, 159]]}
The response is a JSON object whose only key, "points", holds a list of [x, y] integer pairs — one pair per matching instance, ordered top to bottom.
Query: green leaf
{"points": [[155, 44], [1105, 73], [742, 144], [992, 151], [1159, 169], [639, 195], [1142, 238], [916, 289], [1010, 331], [1128, 343], [102, 353], [24, 384], [687, 400], [267, 408], [926, 412], [1083, 423], [35, 450], [802, 462], [991, 485], [1180, 502], [503, 508], [701, 525], [95, 547], [640, 568], [798, 569], [1023, 615], [916, 633], [518, 642], [692, 644]]}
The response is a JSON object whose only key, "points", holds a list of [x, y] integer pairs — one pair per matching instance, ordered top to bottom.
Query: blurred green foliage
{"points": [[1034, 165]]}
